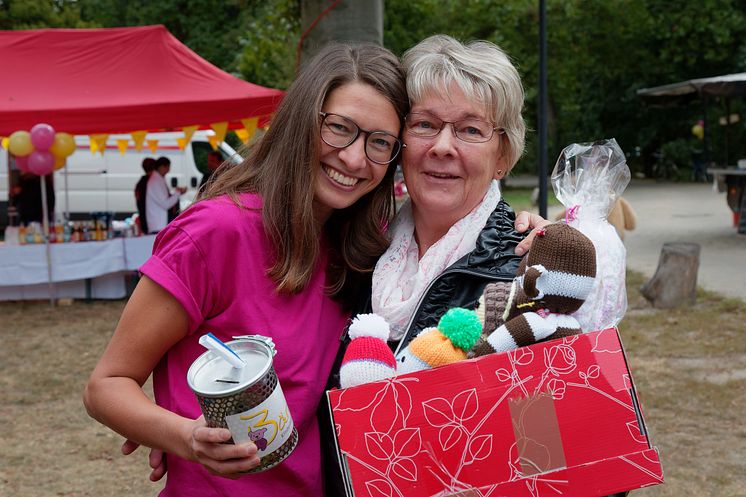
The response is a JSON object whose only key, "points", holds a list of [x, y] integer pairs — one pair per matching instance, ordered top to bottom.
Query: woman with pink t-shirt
{"points": [[270, 248]]}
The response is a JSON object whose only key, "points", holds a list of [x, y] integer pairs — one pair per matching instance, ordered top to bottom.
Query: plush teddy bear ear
{"points": [[531, 281]]}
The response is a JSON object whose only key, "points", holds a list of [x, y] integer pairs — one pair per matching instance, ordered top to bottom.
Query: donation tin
{"points": [[248, 401]]}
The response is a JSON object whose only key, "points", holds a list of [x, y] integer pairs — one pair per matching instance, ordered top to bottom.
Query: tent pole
{"points": [[727, 129], [705, 140], [67, 197], [45, 229]]}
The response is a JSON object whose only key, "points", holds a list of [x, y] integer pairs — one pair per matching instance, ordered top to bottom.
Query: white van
{"points": [[95, 183]]}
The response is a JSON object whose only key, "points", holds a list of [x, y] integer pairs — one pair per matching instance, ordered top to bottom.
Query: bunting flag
{"points": [[250, 127], [220, 130], [188, 132], [243, 135], [138, 137], [213, 141], [4, 142], [100, 142], [181, 143], [92, 145], [122, 145], [153, 145]]}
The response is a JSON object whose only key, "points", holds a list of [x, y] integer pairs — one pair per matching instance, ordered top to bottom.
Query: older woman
{"points": [[463, 133], [455, 234]]}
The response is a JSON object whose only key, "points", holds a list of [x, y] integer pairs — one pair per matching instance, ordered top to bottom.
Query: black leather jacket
{"points": [[460, 285]]}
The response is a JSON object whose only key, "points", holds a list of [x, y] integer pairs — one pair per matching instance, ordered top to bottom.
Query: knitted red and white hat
{"points": [[368, 357]]}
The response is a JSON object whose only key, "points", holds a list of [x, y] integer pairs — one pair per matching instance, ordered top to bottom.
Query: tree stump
{"points": [[675, 280]]}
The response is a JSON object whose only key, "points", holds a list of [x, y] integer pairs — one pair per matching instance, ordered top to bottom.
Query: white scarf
{"points": [[401, 278]]}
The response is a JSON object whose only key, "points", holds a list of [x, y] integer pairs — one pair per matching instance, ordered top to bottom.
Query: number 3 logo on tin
{"points": [[262, 423]]}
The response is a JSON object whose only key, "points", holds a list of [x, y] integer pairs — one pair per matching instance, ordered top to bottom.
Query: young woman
{"points": [[270, 249]]}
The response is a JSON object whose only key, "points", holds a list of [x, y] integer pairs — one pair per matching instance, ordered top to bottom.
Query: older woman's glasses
{"points": [[468, 130], [340, 132]]}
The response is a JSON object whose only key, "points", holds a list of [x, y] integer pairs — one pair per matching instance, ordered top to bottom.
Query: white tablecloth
{"points": [[106, 265]]}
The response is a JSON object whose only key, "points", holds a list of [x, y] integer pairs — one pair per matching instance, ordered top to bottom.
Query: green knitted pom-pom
{"points": [[461, 326]]}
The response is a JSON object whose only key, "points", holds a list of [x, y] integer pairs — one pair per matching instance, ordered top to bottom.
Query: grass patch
{"points": [[689, 365]]}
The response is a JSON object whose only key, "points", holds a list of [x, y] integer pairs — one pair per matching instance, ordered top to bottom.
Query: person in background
{"points": [[214, 159], [141, 188], [26, 196], [158, 199], [273, 246]]}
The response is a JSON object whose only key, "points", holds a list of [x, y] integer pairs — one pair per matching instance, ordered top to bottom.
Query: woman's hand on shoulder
{"points": [[525, 220], [207, 446]]}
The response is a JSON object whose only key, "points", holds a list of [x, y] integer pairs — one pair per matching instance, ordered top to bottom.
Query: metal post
{"points": [[542, 115], [45, 231]]}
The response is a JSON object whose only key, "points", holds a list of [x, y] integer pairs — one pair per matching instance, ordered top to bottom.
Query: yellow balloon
{"points": [[699, 131], [20, 143], [63, 146], [59, 162]]}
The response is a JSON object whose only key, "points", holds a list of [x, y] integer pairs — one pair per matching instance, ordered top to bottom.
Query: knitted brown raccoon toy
{"points": [[553, 281]]}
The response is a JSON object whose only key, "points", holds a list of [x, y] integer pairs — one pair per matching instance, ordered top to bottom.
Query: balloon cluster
{"points": [[42, 150]]}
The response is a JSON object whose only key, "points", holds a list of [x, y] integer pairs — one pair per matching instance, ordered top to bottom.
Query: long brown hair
{"points": [[282, 168]]}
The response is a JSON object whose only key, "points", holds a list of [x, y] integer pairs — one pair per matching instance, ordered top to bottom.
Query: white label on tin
{"points": [[268, 425]]}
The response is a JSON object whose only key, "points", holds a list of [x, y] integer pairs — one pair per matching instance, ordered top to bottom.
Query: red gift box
{"points": [[555, 418]]}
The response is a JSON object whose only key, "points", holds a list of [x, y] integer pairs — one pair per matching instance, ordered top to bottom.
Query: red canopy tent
{"points": [[118, 80]]}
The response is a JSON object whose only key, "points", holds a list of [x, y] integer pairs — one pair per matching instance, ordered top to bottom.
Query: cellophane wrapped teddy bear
{"points": [[553, 281]]}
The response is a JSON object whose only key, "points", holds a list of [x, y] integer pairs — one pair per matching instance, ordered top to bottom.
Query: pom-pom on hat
{"points": [[457, 332], [368, 357]]}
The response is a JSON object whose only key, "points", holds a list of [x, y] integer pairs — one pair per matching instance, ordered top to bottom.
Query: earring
{"points": [[499, 172]]}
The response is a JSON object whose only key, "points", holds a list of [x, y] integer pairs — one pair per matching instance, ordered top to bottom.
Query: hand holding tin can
{"points": [[238, 389]]}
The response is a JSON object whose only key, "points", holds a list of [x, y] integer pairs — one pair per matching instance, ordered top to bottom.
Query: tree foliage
{"points": [[600, 53]]}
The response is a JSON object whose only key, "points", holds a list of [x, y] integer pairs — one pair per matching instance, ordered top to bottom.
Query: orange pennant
{"points": [[250, 126], [220, 130], [188, 132], [243, 135], [138, 137], [213, 141], [4, 142], [100, 142], [181, 143], [92, 144], [122, 145], [153, 145]]}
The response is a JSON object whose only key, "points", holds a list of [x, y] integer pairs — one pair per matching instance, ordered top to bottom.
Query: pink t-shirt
{"points": [[213, 259]]}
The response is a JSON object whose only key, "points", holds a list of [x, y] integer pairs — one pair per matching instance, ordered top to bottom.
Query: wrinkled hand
{"points": [[527, 220], [156, 459], [221, 459]]}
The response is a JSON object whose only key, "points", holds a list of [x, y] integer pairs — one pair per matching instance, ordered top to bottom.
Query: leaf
{"points": [[593, 371], [503, 374], [557, 388], [465, 404], [438, 412], [634, 430], [449, 436], [407, 442], [380, 446], [480, 447], [405, 469], [379, 488]]}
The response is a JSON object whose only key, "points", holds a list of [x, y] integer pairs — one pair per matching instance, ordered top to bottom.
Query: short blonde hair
{"points": [[483, 72]]}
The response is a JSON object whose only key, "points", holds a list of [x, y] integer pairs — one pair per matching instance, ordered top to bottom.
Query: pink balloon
{"points": [[42, 136], [41, 162], [22, 163]]}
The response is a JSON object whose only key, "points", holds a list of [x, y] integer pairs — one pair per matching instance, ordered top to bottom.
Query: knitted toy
{"points": [[553, 281], [457, 332], [368, 357]]}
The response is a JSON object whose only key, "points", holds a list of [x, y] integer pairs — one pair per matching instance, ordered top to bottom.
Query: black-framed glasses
{"points": [[469, 130], [340, 132]]}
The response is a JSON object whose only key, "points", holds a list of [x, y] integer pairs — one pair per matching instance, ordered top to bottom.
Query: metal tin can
{"points": [[248, 401]]}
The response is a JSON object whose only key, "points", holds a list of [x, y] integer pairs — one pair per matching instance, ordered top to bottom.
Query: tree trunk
{"points": [[323, 21], [675, 280]]}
